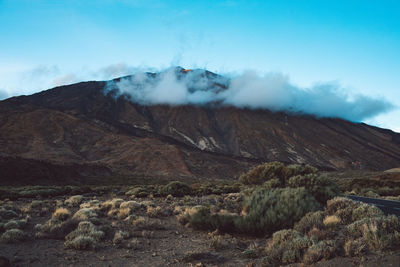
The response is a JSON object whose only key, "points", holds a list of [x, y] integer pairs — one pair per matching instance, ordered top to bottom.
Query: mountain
{"points": [[82, 133]]}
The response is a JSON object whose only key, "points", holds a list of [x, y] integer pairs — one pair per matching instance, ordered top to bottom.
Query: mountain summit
{"points": [[95, 132]]}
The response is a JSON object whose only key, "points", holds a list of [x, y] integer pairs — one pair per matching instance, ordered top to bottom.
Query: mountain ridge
{"points": [[84, 124]]}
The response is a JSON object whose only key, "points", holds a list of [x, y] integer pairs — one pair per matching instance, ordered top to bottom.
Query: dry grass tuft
{"points": [[331, 221]]}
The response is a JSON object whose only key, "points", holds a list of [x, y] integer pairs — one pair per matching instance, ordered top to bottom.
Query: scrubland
{"points": [[272, 215]]}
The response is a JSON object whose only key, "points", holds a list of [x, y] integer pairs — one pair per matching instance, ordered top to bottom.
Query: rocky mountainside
{"points": [[81, 133]]}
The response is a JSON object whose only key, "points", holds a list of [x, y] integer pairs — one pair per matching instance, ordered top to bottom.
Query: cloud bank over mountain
{"points": [[273, 91]]}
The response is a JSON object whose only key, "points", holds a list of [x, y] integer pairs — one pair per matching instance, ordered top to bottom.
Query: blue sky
{"points": [[353, 43]]}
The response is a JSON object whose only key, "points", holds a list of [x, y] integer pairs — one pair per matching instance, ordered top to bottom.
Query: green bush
{"points": [[274, 170], [277, 175], [319, 186], [177, 189], [271, 210], [309, 221]]}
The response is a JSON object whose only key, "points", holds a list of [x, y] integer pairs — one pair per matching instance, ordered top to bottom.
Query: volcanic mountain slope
{"points": [[79, 133]]}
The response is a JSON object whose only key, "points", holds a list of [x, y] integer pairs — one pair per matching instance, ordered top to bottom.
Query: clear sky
{"points": [[351, 42]]}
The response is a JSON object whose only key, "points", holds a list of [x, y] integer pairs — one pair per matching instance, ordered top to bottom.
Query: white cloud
{"points": [[271, 91]]}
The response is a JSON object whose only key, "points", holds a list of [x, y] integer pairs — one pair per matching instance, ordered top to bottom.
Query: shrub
{"points": [[274, 170], [264, 172], [273, 183], [320, 187], [176, 189], [43, 192], [138, 192], [74, 201], [338, 203], [93, 204], [112, 204], [34, 205], [133, 205], [341, 207], [269, 210], [349, 211], [365, 211], [156, 212], [7, 213], [123, 213], [61, 214], [85, 214], [201, 218], [309, 221], [143, 223], [15, 224], [55, 228], [377, 232], [317, 234], [13, 236], [119, 236], [84, 237], [81, 243], [286, 246], [353, 248], [321, 250]]}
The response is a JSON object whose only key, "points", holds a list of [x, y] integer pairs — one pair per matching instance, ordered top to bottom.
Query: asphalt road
{"points": [[387, 206]]}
